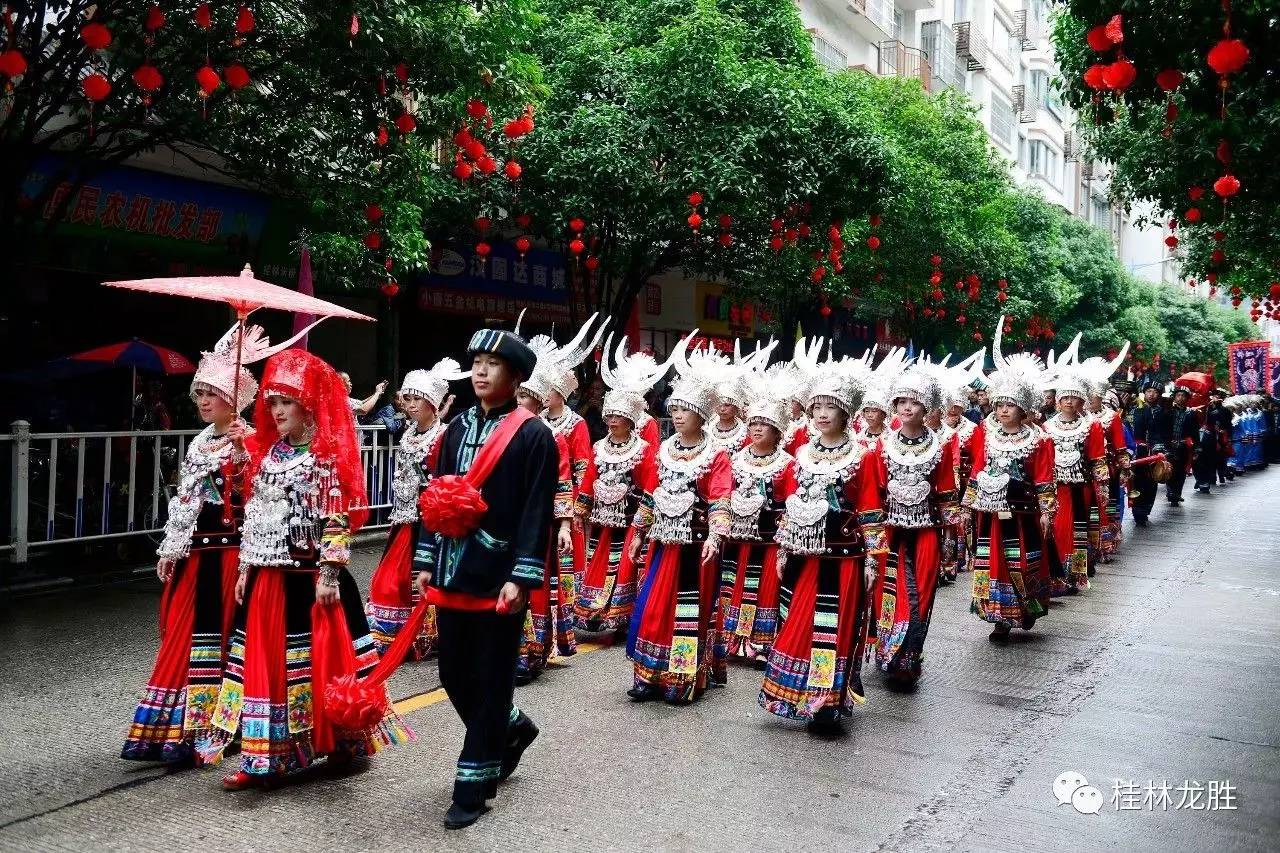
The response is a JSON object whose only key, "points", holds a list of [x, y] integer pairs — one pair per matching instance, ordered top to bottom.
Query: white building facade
{"points": [[996, 51]]}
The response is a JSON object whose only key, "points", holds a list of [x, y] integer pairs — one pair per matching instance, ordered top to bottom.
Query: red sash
{"points": [[351, 703]]}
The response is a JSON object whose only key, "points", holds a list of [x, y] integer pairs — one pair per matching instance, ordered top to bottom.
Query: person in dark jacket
{"points": [[1150, 435], [1183, 443], [481, 581]]}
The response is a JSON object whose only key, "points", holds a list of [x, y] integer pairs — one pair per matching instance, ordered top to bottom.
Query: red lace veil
{"points": [[301, 376]]}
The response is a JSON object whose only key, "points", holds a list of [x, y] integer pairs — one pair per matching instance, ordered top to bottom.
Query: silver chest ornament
{"points": [[1068, 448], [203, 459], [1004, 460], [613, 480], [408, 481], [908, 489], [677, 492], [750, 492], [292, 499], [804, 529]]}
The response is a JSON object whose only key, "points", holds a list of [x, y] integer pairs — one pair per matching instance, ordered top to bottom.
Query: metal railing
{"points": [[878, 12], [938, 43], [971, 46], [899, 60], [87, 486]]}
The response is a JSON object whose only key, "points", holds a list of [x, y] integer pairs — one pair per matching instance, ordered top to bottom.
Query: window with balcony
{"points": [[961, 10], [898, 23], [938, 42], [1003, 44], [828, 55], [1040, 90], [1002, 121], [1042, 161]]}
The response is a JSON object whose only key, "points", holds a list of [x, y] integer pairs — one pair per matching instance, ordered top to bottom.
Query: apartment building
{"points": [[996, 51]]}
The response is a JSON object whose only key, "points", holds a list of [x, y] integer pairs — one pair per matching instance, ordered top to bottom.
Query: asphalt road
{"points": [[1158, 685]]}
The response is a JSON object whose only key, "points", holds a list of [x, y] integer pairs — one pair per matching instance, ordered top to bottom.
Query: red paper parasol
{"points": [[245, 294], [1199, 384]]}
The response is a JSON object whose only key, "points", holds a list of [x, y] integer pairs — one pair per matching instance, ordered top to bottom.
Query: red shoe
{"points": [[240, 780]]}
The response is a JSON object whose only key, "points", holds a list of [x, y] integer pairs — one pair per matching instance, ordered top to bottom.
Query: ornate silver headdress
{"points": [[217, 369], [1098, 371], [563, 377], [628, 379], [1018, 379], [433, 384], [694, 388], [768, 395]]}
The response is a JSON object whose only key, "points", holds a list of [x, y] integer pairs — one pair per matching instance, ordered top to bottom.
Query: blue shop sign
{"points": [[538, 275]]}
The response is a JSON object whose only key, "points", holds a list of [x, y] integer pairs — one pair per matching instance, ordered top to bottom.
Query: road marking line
{"points": [[418, 701]]}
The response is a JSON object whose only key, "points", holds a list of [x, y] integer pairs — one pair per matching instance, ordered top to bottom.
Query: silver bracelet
{"points": [[329, 576]]}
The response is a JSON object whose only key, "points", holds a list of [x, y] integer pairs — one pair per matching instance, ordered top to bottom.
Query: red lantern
{"points": [[204, 16], [154, 19], [244, 21], [1114, 30], [96, 36], [1098, 39], [1228, 56], [12, 63], [402, 73], [1120, 75], [237, 76], [1095, 76], [148, 78], [1170, 79], [208, 81], [96, 87], [477, 109], [406, 123], [383, 137], [475, 149], [1223, 152], [487, 165], [461, 170], [513, 170], [1227, 186], [1195, 193], [695, 198], [373, 212], [1192, 214], [874, 220], [695, 221], [725, 221], [482, 223], [576, 225], [775, 225], [804, 229], [833, 233], [792, 235], [1219, 236], [726, 239], [373, 241], [1171, 241], [873, 242], [775, 243], [523, 245], [577, 246], [483, 249], [1217, 257], [936, 260], [592, 263], [387, 264], [818, 274], [936, 278], [972, 280], [1003, 284], [390, 289], [1274, 290], [1002, 296], [825, 310], [928, 312], [961, 319], [977, 336]]}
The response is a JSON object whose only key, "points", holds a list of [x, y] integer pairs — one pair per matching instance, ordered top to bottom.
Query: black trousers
{"points": [[1207, 464], [1173, 488], [1142, 490], [478, 652]]}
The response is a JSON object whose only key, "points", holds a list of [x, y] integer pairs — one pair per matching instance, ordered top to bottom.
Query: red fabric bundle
{"points": [[451, 506]]}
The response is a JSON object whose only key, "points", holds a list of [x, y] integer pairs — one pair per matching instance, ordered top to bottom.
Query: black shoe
{"points": [[1139, 520], [999, 635], [523, 678], [643, 693], [825, 724], [523, 733], [459, 816]]}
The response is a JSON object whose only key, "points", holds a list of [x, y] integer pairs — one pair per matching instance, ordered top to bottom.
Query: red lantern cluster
{"points": [[1118, 74]]}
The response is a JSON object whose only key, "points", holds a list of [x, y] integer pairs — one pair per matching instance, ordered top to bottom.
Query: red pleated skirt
{"points": [[393, 595]]}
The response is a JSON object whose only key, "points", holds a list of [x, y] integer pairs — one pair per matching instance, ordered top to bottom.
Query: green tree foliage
{"points": [[322, 80], [1127, 129]]}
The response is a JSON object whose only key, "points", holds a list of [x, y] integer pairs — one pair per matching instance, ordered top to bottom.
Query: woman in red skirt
{"points": [[1080, 468], [622, 470], [1013, 498], [920, 504], [832, 536], [198, 559], [749, 585], [392, 595], [302, 623], [546, 629], [672, 637]]}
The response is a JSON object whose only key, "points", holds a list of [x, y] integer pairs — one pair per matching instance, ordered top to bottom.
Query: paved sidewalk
{"points": [[1165, 671]]}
